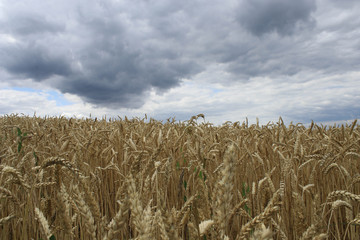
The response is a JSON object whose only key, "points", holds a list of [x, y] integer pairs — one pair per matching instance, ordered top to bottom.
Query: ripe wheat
{"points": [[145, 179]]}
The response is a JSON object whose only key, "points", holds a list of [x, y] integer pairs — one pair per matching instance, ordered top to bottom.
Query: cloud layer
{"points": [[283, 16], [118, 54]]}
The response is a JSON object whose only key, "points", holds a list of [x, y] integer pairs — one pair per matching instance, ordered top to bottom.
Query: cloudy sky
{"points": [[227, 59]]}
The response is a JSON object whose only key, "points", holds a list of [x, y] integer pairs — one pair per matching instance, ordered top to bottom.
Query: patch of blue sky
{"points": [[24, 89], [216, 90], [53, 95], [58, 97]]}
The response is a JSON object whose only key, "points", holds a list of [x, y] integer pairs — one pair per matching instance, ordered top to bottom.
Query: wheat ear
{"points": [[14, 172], [223, 192], [135, 206], [64, 207], [271, 208], [87, 215], [6, 219], [158, 219], [118, 221], [44, 223]]}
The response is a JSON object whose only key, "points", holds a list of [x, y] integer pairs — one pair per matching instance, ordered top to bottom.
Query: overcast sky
{"points": [[226, 59]]}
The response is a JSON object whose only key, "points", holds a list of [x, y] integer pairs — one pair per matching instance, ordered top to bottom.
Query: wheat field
{"points": [[64, 178]]}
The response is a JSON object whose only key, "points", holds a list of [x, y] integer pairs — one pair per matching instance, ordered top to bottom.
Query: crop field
{"points": [[64, 178]]}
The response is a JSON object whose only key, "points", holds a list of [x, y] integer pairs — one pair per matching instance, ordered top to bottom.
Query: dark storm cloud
{"points": [[283, 16], [28, 24], [103, 55], [31, 61], [114, 71], [113, 76]]}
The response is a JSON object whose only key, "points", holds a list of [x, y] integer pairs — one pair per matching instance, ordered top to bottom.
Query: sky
{"points": [[229, 60]]}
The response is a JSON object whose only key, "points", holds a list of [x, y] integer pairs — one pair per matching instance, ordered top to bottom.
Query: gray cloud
{"points": [[345, 3], [283, 16], [26, 24], [113, 53], [32, 61], [107, 61], [117, 72], [328, 113]]}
